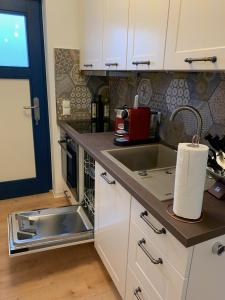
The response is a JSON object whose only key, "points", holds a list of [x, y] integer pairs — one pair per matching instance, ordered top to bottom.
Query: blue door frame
{"points": [[32, 10]]}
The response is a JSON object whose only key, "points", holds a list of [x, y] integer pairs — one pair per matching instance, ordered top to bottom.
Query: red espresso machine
{"points": [[132, 125]]}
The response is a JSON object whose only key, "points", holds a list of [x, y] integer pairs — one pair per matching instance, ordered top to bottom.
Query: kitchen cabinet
{"points": [[92, 18], [195, 31], [115, 34], [147, 34], [112, 216], [152, 257], [207, 271]]}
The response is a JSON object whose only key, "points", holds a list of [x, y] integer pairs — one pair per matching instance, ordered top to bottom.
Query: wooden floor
{"points": [[71, 273]]}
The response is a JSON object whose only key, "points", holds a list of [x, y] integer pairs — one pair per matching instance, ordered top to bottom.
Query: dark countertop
{"points": [[213, 224]]}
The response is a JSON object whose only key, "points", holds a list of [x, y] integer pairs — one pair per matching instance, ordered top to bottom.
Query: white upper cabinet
{"points": [[92, 16], [196, 31], [115, 34], [147, 34]]}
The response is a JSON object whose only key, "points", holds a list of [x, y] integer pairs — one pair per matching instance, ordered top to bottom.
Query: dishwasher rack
{"points": [[89, 184]]}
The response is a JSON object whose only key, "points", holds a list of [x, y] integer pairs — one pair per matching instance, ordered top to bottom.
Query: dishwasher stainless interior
{"points": [[45, 229]]}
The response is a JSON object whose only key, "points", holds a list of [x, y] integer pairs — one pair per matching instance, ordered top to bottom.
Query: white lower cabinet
{"points": [[112, 218], [144, 260], [153, 269], [207, 273], [135, 289]]}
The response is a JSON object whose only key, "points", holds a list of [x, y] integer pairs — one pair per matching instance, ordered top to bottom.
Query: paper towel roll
{"points": [[190, 180]]}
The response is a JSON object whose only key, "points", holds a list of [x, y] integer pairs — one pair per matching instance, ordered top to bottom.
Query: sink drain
{"points": [[142, 173]]}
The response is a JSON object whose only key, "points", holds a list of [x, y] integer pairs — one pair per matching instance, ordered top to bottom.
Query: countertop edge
{"points": [[110, 166]]}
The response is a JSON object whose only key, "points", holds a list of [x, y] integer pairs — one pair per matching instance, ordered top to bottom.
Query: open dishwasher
{"points": [[50, 228]]}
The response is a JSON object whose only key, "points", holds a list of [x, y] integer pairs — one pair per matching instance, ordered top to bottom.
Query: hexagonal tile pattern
{"points": [[64, 61], [77, 77], [160, 82], [64, 85], [71, 85], [203, 85], [144, 91], [177, 94], [81, 97], [158, 103], [217, 104], [190, 123], [217, 129]]}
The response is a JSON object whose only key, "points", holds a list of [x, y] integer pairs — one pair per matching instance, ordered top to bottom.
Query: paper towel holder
{"points": [[195, 141], [183, 220]]}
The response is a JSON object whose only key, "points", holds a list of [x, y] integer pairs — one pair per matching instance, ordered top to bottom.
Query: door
{"points": [[91, 34], [115, 34], [147, 34], [195, 40], [25, 151], [112, 216]]}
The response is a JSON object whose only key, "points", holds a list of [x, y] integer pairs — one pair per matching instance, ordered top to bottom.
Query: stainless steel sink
{"points": [[146, 157], [153, 166]]}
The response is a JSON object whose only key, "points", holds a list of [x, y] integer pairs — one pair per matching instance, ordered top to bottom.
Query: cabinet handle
{"points": [[211, 59], [136, 63], [111, 64], [88, 65], [63, 143], [104, 176], [143, 216], [218, 249], [152, 259], [137, 292]]}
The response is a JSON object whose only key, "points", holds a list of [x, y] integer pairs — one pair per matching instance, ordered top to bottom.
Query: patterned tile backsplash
{"points": [[162, 91]]}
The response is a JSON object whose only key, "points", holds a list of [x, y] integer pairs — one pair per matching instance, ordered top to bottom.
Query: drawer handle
{"points": [[211, 59], [136, 63], [111, 64], [88, 65], [104, 176], [143, 216], [152, 259], [137, 292]]}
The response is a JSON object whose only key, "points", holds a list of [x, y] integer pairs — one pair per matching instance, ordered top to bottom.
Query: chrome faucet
{"points": [[194, 111]]}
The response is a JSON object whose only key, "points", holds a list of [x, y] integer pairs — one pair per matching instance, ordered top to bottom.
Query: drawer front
{"points": [[162, 239], [152, 268], [135, 289]]}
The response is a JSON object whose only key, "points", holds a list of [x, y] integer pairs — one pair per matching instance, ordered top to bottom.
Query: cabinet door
{"points": [[195, 30], [91, 34], [115, 34], [147, 34], [112, 214], [207, 271]]}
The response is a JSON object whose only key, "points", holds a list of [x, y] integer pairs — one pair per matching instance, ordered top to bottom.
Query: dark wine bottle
{"points": [[94, 114], [106, 114]]}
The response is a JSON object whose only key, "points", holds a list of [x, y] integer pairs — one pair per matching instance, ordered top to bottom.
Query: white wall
{"points": [[61, 30]]}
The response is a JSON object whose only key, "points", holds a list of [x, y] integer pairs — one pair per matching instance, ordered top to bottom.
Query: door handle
{"points": [[29, 107], [36, 108], [137, 293]]}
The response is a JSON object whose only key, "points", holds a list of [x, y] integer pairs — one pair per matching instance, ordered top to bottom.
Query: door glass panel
{"points": [[13, 41], [17, 159]]}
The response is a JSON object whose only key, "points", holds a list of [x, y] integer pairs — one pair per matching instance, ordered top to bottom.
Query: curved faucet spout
{"points": [[195, 112]]}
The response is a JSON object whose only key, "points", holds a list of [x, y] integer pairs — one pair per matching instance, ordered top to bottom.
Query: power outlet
{"points": [[66, 108]]}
